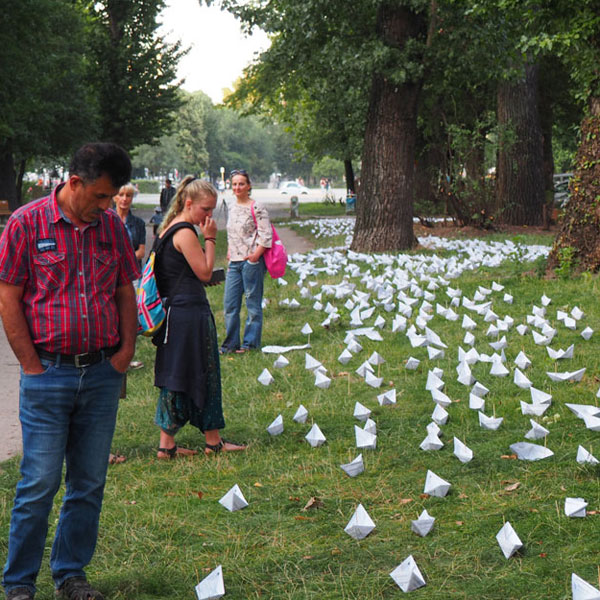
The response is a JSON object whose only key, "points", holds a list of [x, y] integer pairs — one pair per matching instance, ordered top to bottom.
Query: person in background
{"points": [[166, 195], [156, 219], [136, 228], [248, 237], [68, 307], [187, 369]]}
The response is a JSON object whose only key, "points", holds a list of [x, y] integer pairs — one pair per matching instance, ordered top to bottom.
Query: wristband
{"points": [[210, 240]]}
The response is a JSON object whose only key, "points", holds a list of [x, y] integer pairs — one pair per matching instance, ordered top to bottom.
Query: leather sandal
{"points": [[221, 446], [175, 452], [77, 588]]}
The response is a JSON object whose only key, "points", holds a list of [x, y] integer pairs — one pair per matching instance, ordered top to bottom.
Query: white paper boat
{"points": [[508, 298], [468, 323], [307, 329], [522, 329], [587, 333], [469, 338], [500, 344], [283, 349], [435, 353], [560, 353], [345, 356], [376, 359], [281, 362], [311, 363], [412, 363], [363, 369], [498, 369], [464, 374], [567, 375], [265, 377], [521, 379], [321, 380], [373, 381], [433, 382], [479, 390], [388, 397], [540, 397], [440, 398], [476, 403], [537, 410], [581, 411], [361, 412], [300, 415], [439, 415], [491, 423], [592, 423], [370, 426], [276, 427], [536, 432], [315, 436], [365, 439], [431, 442], [527, 451], [462, 452], [583, 456], [354, 468], [435, 485], [234, 499], [575, 507], [360, 525], [423, 525], [508, 540], [407, 575], [212, 586], [582, 590]]}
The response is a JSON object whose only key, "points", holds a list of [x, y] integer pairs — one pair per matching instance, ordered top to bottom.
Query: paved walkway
{"points": [[10, 430]]}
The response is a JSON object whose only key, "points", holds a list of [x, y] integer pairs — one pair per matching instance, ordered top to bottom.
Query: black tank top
{"points": [[173, 273]]}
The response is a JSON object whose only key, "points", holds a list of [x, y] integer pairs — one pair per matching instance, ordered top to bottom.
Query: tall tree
{"points": [[133, 70], [45, 106]]}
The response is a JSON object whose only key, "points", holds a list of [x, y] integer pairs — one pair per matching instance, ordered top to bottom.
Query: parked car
{"points": [[292, 187]]}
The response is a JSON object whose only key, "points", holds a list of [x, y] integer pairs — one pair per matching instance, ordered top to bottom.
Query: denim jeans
{"points": [[243, 278], [66, 413]]}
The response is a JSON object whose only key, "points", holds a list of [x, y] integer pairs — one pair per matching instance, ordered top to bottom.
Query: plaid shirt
{"points": [[69, 275]]}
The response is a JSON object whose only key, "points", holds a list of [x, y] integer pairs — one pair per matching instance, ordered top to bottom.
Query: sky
{"points": [[219, 50]]}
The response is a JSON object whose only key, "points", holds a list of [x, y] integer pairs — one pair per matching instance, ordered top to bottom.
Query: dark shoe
{"points": [[223, 446], [174, 452], [77, 588], [20, 593]]}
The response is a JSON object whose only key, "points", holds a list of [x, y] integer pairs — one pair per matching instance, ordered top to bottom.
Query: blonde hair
{"points": [[128, 186], [190, 187]]}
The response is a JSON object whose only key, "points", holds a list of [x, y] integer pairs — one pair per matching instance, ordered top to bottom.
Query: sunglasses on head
{"points": [[239, 172]]}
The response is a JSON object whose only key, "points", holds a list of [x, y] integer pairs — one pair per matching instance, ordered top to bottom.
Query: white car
{"points": [[292, 187]]}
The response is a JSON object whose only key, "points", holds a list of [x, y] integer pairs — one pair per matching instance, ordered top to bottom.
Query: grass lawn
{"points": [[163, 530]]}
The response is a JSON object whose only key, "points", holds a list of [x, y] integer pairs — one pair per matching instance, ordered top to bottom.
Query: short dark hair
{"points": [[96, 159], [168, 181]]}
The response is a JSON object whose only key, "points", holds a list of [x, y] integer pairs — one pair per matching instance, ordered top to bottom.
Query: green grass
{"points": [[320, 209], [158, 537]]}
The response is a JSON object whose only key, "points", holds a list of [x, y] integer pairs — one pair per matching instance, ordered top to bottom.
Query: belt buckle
{"points": [[80, 360]]}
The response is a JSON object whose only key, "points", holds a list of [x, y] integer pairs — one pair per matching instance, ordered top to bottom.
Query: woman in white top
{"points": [[249, 234]]}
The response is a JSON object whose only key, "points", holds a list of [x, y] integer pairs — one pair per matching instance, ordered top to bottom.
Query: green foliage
{"points": [[132, 70], [146, 186], [567, 262]]}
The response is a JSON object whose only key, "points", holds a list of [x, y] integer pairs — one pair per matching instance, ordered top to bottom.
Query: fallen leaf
{"points": [[343, 373], [509, 456], [257, 484], [512, 487], [563, 488], [200, 494], [424, 496], [462, 496], [294, 498], [405, 500], [314, 502], [592, 512], [302, 518], [460, 523], [336, 551], [543, 555], [307, 557]]}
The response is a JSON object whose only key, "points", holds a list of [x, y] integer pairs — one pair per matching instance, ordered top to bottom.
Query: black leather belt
{"points": [[78, 360]]}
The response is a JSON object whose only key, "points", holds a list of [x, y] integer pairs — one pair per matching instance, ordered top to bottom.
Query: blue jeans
{"points": [[243, 278], [66, 413]]}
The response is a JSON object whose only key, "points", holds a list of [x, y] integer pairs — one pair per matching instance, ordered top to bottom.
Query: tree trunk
{"points": [[349, 175], [520, 182], [8, 188], [384, 217], [580, 229]]}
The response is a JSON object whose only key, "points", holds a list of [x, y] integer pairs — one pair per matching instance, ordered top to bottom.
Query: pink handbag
{"points": [[275, 256]]}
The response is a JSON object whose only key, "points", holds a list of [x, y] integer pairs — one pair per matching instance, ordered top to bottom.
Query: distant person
{"points": [[166, 195], [156, 219], [136, 228], [248, 237], [68, 307], [187, 369]]}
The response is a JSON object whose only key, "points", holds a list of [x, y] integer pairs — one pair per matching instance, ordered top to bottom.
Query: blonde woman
{"points": [[136, 228], [187, 370]]}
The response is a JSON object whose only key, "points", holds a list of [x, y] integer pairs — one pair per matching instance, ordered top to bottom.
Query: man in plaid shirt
{"points": [[68, 307]]}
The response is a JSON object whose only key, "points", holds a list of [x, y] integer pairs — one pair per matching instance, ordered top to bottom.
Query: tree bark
{"points": [[349, 171], [520, 171], [8, 188], [384, 218], [580, 229]]}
